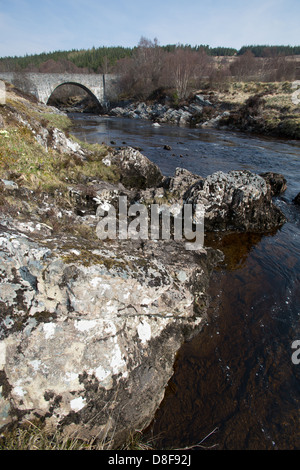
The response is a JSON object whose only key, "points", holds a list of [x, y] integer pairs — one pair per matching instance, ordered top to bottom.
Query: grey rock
{"points": [[200, 99], [195, 108], [118, 111], [214, 122], [65, 145], [136, 170], [181, 182], [9, 185], [102, 194], [238, 200], [89, 336]]}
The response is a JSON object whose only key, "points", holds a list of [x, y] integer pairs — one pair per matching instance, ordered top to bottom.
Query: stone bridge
{"points": [[103, 87]]}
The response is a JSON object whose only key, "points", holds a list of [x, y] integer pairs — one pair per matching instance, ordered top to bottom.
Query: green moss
{"points": [[89, 258], [43, 317]]}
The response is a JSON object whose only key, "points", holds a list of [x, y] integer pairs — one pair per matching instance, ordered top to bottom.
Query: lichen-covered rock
{"points": [[63, 144], [136, 170], [181, 181], [238, 200], [234, 201], [89, 336]]}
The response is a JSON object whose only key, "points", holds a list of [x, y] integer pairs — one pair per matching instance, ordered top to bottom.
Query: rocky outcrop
{"points": [[243, 107], [198, 112], [160, 113], [136, 170], [180, 183], [86, 199], [238, 200], [90, 328], [89, 336]]}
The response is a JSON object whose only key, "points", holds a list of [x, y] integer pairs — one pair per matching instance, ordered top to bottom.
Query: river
{"points": [[235, 385]]}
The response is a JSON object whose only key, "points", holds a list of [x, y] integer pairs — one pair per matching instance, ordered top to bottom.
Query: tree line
{"points": [[270, 51], [100, 59], [85, 60]]}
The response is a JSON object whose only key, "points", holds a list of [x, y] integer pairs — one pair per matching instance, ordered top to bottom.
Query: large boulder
{"points": [[136, 170], [238, 200], [234, 201], [89, 334]]}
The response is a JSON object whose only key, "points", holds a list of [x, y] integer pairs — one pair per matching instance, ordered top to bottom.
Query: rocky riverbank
{"points": [[260, 108], [89, 327]]}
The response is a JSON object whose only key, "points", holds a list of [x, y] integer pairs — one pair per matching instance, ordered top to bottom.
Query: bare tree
{"points": [[245, 67], [151, 68], [184, 68], [280, 68], [141, 74]]}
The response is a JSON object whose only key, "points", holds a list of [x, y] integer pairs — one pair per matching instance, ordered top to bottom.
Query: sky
{"points": [[35, 26]]}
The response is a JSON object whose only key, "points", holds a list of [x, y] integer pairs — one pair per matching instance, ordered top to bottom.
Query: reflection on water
{"points": [[237, 374]]}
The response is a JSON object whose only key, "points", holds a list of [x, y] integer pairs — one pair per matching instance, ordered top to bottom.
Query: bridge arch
{"points": [[104, 87], [94, 98]]}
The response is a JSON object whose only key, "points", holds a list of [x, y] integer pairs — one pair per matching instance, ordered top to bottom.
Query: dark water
{"points": [[235, 382]]}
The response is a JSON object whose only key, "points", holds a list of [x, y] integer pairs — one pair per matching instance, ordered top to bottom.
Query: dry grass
{"points": [[239, 92], [278, 115], [33, 437]]}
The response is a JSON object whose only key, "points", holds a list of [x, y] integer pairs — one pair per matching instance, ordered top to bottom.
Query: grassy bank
{"points": [[259, 107], [30, 157], [32, 436]]}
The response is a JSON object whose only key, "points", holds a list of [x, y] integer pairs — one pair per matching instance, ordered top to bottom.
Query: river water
{"points": [[235, 385]]}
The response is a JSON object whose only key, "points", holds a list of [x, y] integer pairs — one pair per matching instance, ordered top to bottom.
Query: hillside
{"points": [[104, 59]]}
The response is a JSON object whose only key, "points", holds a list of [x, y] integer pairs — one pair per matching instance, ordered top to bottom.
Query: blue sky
{"points": [[34, 26]]}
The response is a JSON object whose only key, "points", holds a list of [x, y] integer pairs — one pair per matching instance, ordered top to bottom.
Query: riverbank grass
{"points": [[275, 113], [27, 162], [32, 436]]}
